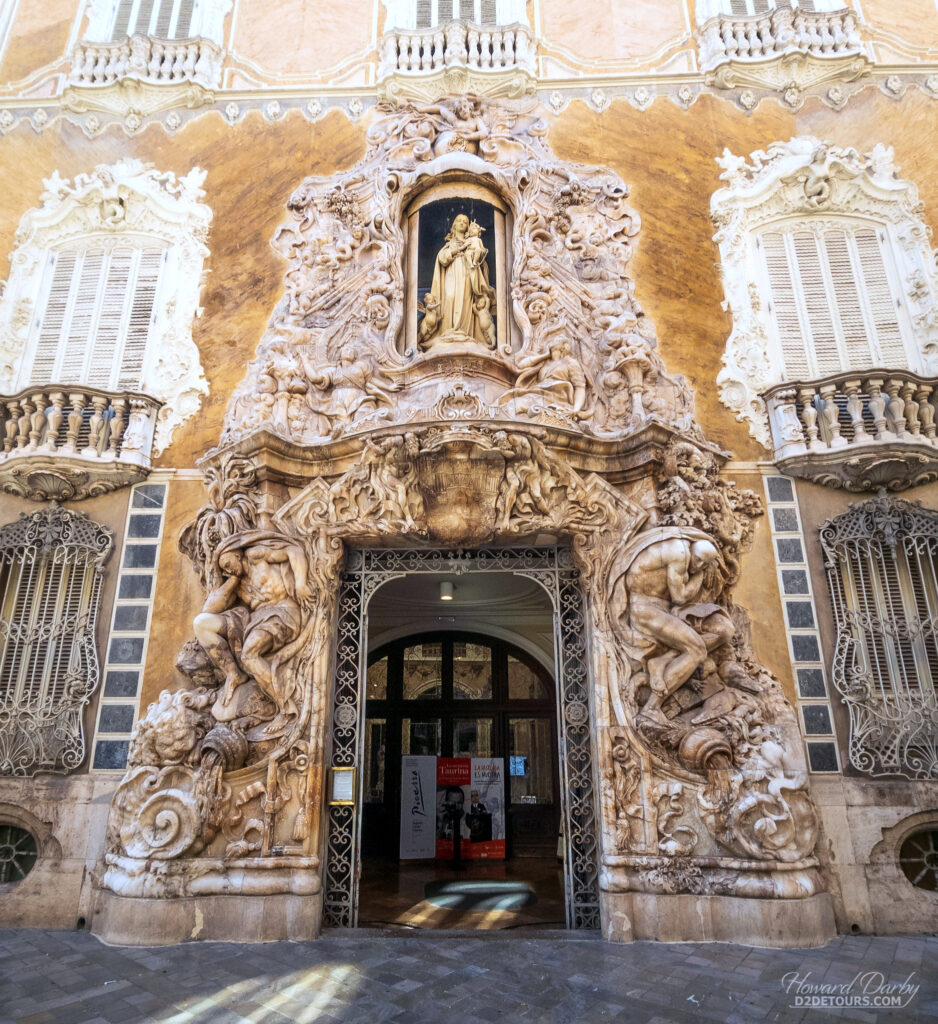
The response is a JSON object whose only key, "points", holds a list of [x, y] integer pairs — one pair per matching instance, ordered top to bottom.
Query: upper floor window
{"points": [[416, 14], [163, 19], [116, 20], [826, 269], [104, 287], [833, 301], [96, 310], [882, 563], [51, 571]]}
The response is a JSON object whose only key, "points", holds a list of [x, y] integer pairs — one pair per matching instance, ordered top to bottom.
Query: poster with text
{"points": [[470, 796], [418, 813]]}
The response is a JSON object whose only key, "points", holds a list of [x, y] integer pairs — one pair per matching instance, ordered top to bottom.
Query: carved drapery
{"points": [[342, 435]]}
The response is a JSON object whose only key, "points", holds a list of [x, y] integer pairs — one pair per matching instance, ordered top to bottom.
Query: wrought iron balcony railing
{"points": [[857, 430], [62, 441]]}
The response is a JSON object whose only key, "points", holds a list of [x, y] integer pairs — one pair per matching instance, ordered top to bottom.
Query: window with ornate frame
{"points": [[415, 14], [114, 20], [826, 268], [103, 289], [882, 565], [51, 573]]}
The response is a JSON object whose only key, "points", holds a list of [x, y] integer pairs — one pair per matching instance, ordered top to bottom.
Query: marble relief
{"points": [[348, 431]]}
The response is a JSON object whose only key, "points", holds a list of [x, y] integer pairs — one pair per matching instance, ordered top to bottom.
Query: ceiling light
{"points": [[446, 591]]}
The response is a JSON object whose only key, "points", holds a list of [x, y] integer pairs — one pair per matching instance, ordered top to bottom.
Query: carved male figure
{"points": [[669, 582], [256, 612]]}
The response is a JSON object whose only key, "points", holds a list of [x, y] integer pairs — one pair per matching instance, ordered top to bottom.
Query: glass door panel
{"points": [[472, 671], [423, 672], [422, 736], [472, 737], [375, 749], [529, 761]]}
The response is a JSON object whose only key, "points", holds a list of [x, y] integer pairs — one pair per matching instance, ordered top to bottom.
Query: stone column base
{"points": [[628, 916], [132, 921]]}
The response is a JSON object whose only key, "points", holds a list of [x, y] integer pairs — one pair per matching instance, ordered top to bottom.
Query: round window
{"points": [[18, 852], [918, 858]]}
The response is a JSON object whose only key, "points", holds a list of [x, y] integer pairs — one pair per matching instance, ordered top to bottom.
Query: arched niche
{"points": [[428, 223]]}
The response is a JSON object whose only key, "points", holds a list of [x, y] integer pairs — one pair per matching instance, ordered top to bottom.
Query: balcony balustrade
{"points": [[780, 31], [155, 61], [496, 61], [857, 430], [67, 442]]}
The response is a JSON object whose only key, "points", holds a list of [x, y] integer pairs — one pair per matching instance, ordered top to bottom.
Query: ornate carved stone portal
{"points": [[346, 433]]}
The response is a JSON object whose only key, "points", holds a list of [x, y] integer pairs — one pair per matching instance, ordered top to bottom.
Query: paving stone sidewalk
{"points": [[435, 978]]}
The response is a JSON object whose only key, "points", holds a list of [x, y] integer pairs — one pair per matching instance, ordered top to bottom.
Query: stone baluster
{"points": [[851, 30], [839, 36], [728, 39], [473, 46], [508, 47], [486, 48], [438, 50], [524, 55], [192, 56], [176, 61], [155, 63], [100, 67], [77, 402], [877, 405], [895, 408], [910, 409], [855, 410], [926, 411], [831, 415], [809, 418], [54, 419], [37, 422], [117, 424], [12, 425], [96, 425], [22, 437]]}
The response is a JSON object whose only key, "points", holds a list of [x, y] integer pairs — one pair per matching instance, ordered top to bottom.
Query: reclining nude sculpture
{"points": [[699, 766]]}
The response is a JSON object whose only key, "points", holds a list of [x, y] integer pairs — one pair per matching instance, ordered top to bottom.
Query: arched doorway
{"points": [[484, 684], [459, 695]]}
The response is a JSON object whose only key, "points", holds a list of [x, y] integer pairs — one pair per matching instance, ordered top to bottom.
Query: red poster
{"points": [[470, 795]]}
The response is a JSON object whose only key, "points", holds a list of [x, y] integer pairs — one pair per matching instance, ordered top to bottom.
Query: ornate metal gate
{"points": [[554, 570]]}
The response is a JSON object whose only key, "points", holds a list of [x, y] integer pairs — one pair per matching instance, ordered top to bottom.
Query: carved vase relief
{"points": [[501, 387]]}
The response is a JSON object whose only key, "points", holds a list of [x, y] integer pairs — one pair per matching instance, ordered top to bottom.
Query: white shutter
{"points": [[444, 11], [184, 12], [424, 14], [488, 14], [122, 19], [882, 303], [785, 307], [818, 314], [141, 315], [850, 316], [52, 326], [75, 341], [104, 344]]}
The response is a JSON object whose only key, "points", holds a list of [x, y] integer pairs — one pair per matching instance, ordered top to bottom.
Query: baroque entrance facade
{"points": [[459, 374]]}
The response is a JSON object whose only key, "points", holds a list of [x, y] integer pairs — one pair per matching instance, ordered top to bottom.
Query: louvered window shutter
{"points": [[808, 5], [742, 8], [184, 11], [444, 11], [489, 13], [424, 14], [164, 17], [122, 19], [832, 302], [785, 307], [883, 310], [141, 316], [97, 318]]}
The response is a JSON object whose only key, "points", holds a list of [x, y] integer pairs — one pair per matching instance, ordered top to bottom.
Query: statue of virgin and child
{"points": [[460, 304]]}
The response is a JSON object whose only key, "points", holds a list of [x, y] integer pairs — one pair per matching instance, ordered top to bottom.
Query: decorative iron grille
{"points": [[882, 566], [554, 570], [50, 587]]}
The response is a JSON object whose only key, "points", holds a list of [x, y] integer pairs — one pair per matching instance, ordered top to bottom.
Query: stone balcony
{"points": [[787, 50], [425, 64], [141, 75], [858, 431], [65, 443]]}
